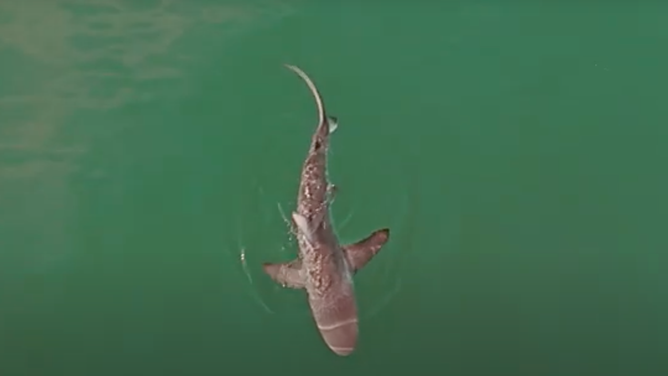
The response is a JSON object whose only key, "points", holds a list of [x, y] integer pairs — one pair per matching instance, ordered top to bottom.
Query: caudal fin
{"points": [[314, 91]]}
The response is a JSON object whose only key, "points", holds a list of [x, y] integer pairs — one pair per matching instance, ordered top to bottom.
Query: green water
{"points": [[517, 152]]}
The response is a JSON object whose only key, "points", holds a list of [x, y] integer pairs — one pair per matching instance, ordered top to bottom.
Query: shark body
{"points": [[324, 268]]}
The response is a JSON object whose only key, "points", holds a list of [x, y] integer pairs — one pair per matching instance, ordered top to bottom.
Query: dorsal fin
{"points": [[305, 228], [360, 253]]}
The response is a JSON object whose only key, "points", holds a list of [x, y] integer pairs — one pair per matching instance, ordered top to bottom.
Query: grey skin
{"points": [[323, 267]]}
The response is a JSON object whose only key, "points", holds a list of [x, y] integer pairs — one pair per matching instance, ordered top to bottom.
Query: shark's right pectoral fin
{"points": [[360, 253], [287, 274]]}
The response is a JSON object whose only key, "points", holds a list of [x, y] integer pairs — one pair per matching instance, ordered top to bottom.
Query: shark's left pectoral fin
{"points": [[360, 253], [287, 274]]}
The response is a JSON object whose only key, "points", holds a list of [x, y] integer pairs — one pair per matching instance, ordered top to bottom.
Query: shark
{"points": [[324, 268]]}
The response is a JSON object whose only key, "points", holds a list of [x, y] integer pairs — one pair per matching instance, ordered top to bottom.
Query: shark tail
{"points": [[332, 122]]}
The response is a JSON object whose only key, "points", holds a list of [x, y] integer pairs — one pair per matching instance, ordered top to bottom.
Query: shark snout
{"points": [[342, 337]]}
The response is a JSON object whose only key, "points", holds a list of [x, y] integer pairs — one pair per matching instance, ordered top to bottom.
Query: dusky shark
{"points": [[324, 268]]}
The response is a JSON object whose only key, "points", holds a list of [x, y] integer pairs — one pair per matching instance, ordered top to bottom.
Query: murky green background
{"points": [[518, 153]]}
